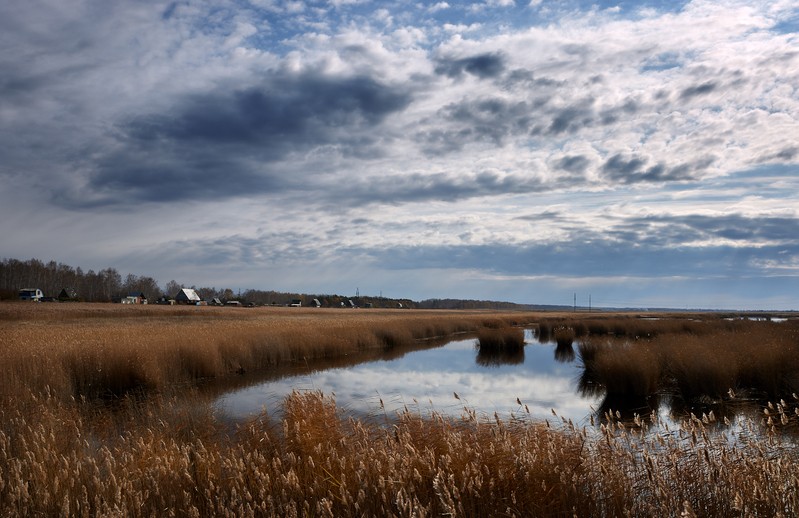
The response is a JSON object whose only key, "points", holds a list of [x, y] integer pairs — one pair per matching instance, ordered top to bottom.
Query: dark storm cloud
{"points": [[484, 66], [521, 77], [14, 85], [694, 91], [307, 110], [616, 113], [571, 119], [489, 120], [495, 121], [440, 142], [224, 144], [786, 154], [575, 164], [618, 167], [621, 168], [155, 174], [439, 186], [548, 216], [677, 230], [587, 257]]}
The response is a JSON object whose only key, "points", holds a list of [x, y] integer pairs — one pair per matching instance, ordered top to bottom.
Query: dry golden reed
{"points": [[504, 340], [105, 350], [695, 360], [65, 453], [175, 458]]}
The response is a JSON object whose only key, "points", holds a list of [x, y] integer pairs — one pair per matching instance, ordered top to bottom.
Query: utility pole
{"points": [[575, 302], [589, 302]]}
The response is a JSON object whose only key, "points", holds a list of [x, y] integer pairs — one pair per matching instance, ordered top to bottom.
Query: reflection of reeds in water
{"points": [[544, 332], [564, 338], [506, 340], [500, 346], [108, 351], [564, 353], [488, 358], [695, 371], [625, 375], [627, 407]]}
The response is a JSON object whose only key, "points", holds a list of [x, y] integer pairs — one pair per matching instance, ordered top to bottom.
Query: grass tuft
{"points": [[503, 340]]}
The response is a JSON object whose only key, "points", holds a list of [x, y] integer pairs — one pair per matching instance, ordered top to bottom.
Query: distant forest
{"points": [[110, 285]]}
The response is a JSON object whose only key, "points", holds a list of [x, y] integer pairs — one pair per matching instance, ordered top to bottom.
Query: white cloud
{"points": [[460, 28]]}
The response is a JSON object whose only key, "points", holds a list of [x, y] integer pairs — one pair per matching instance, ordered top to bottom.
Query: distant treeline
{"points": [[53, 277], [108, 285], [265, 298], [468, 304]]}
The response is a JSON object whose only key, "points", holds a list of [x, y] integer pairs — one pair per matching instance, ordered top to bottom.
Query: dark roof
{"points": [[68, 293]]}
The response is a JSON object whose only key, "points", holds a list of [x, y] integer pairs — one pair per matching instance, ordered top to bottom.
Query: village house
{"points": [[34, 294], [68, 294], [187, 296], [135, 298]]}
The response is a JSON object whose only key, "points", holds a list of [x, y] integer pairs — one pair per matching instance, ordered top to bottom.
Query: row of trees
{"points": [[52, 277], [108, 284], [280, 298], [468, 304]]}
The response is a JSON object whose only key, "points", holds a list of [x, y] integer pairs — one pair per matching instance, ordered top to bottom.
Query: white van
{"points": [[33, 294]]}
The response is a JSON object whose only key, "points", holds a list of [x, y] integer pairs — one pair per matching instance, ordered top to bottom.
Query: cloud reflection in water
{"points": [[427, 380]]}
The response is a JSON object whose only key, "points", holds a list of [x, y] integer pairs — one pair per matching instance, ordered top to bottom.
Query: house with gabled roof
{"points": [[68, 294], [187, 296]]}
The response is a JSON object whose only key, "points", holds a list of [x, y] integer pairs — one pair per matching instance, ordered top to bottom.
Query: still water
{"points": [[446, 380]]}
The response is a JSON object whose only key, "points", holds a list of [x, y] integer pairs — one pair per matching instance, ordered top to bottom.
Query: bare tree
{"points": [[172, 288]]}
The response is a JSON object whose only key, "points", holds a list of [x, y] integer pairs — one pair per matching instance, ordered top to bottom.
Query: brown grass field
{"points": [[101, 416]]}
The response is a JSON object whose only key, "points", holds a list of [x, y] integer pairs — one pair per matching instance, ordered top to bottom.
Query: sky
{"points": [[640, 154]]}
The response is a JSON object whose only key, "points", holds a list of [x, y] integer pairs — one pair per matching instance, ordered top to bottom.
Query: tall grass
{"points": [[564, 336], [500, 340], [499, 344], [106, 351], [705, 360], [170, 454], [177, 459]]}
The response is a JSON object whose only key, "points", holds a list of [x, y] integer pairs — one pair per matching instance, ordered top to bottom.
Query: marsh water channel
{"points": [[451, 377]]}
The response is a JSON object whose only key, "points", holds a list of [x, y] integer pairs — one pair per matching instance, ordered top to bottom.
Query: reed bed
{"points": [[564, 336], [503, 340], [107, 351], [705, 360], [64, 450], [174, 458]]}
